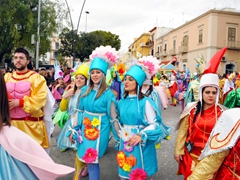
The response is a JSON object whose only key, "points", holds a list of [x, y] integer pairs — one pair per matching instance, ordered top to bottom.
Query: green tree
{"points": [[19, 22], [66, 39], [86, 42], [62, 61]]}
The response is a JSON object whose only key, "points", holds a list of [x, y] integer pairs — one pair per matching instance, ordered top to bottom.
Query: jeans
{"points": [[94, 171]]}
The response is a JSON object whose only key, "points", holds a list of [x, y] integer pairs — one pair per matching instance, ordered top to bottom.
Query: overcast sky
{"points": [[130, 18]]}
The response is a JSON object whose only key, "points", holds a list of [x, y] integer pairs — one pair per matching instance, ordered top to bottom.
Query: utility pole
{"points": [[38, 35]]}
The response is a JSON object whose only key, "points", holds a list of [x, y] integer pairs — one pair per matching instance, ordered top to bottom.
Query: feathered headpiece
{"points": [[103, 57], [200, 64], [57, 71]]}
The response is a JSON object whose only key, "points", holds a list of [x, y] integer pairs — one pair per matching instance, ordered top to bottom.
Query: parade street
{"points": [[167, 166]]}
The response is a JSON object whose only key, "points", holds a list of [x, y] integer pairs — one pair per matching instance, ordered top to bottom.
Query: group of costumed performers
{"points": [[182, 82], [135, 119], [197, 123], [23, 134]]}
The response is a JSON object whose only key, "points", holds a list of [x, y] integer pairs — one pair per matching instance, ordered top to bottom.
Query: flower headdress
{"points": [[103, 57], [151, 63]]}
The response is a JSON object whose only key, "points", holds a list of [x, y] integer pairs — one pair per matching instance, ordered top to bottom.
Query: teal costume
{"points": [[192, 91], [156, 98], [233, 99], [94, 124], [63, 142], [145, 152]]}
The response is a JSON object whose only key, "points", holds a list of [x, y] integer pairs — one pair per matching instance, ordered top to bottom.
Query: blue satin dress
{"points": [[95, 136], [63, 142], [145, 152]]}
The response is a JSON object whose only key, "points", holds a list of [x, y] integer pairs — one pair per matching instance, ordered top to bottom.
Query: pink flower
{"points": [[95, 55], [110, 56], [149, 65], [71, 70], [61, 73], [90, 155], [138, 174]]}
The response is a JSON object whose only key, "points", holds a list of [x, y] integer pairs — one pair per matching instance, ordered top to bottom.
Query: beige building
{"points": [[206, 34], [55, 45], [141, 45]]}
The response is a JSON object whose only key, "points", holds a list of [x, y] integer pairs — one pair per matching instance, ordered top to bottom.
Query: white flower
{"points": [[125, 133]]}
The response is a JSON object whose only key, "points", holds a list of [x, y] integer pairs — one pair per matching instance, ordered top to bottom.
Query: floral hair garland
{"points": [[107, 53], [151, 63]]}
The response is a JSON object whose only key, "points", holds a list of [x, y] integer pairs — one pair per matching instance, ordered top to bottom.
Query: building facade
{"points": [[205, 34], [141, 46]]}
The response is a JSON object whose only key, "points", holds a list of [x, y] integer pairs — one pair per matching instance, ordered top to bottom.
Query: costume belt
{"points": [[95, 114], [28, 118], [134, 126]]}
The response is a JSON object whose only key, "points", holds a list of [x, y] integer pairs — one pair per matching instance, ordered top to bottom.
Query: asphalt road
{"points": [[167, 166]]}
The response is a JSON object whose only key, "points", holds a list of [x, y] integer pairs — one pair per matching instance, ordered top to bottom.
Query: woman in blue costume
{"points": [[69, 104], [97, 107], [141, 127], [21, 157]]}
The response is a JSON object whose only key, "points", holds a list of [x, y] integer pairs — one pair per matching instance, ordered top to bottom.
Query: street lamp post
{"points": [[87, 12], [38, 35], [74, 42]]}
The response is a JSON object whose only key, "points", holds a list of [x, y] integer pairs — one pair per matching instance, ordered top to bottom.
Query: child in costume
{"points": [[58, 86], [69, 103], [96, 108], [141, 126]]}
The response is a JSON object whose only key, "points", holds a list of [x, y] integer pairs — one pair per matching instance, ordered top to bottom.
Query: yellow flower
{"points": [[95, 122], [168, 137], [127, 167]]}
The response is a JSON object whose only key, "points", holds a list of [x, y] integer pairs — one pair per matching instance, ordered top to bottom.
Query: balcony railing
{"points": [[149, 43], [233, 44], [183, 49], [173, 52], [163, 53], [157, 55]]}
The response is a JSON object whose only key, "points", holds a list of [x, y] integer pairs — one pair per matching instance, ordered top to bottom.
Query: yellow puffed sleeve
{"points": [[7, 76], [34, 103], [64, 104], [181, 136], [208, 166]]}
